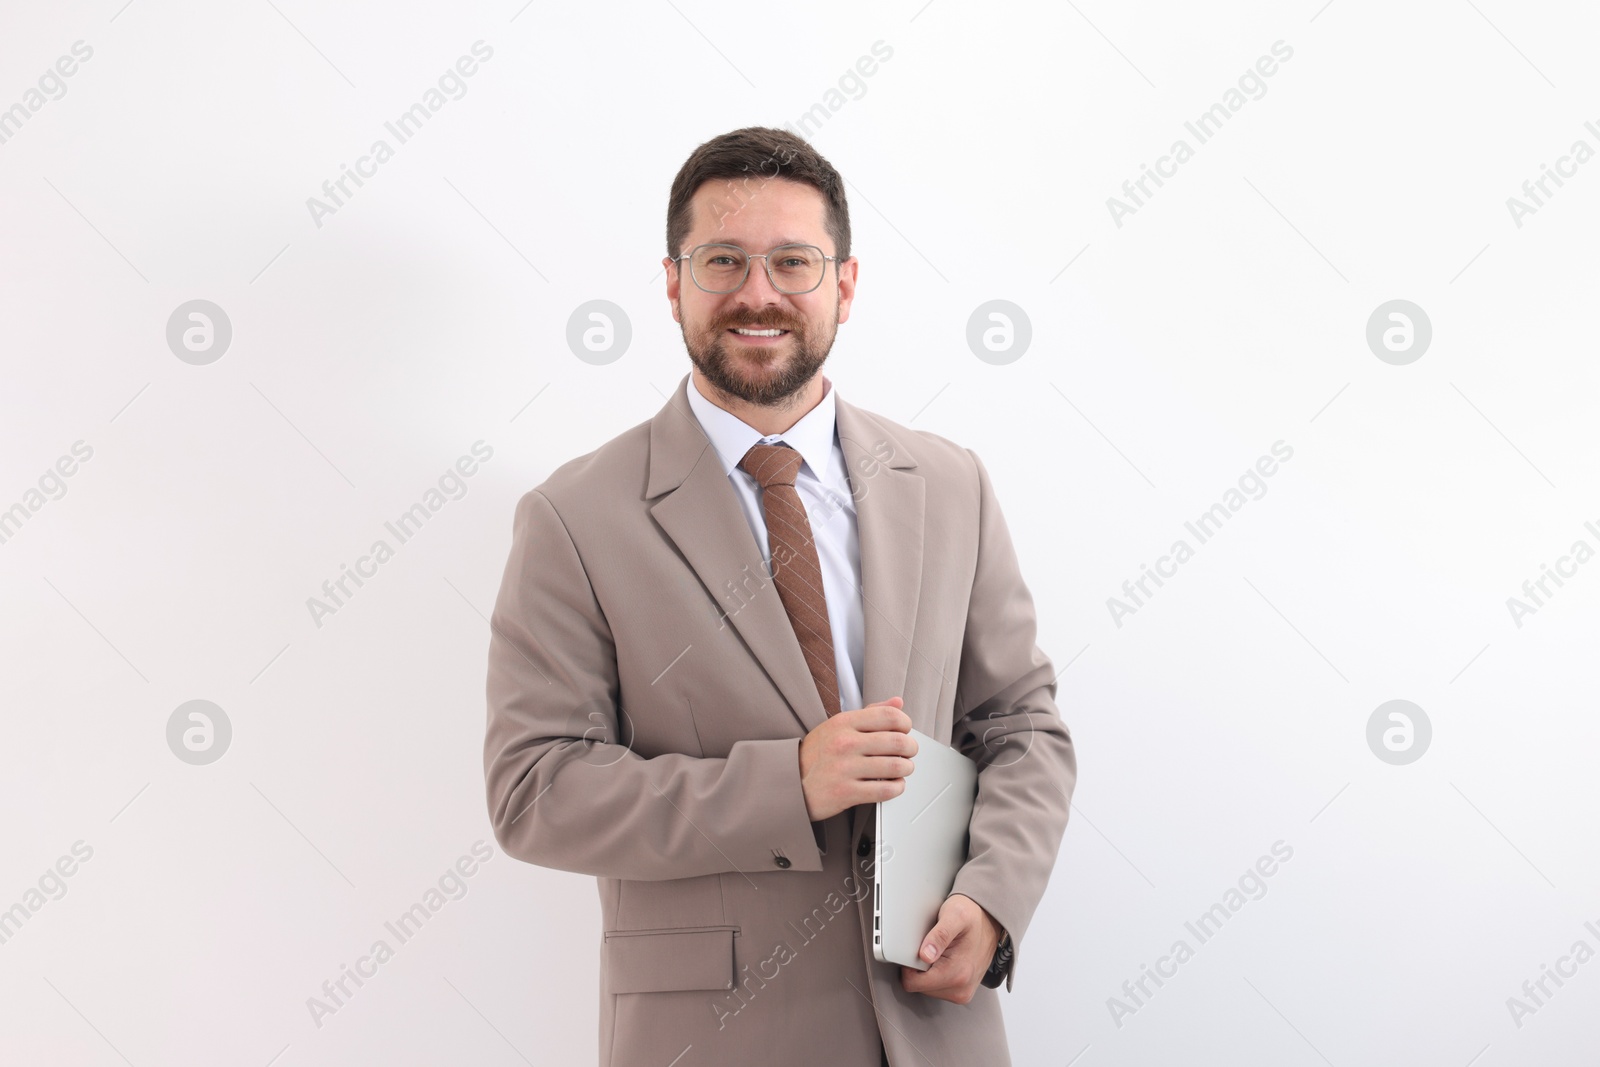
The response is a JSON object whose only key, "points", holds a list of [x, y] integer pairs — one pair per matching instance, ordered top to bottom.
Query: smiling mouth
{"points": [[745, 331]]}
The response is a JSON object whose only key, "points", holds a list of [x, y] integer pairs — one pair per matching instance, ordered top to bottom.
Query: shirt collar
{"points": [[732, 437]]}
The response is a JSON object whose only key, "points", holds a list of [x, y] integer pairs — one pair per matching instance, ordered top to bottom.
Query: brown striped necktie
{"points": [[794, 567]]}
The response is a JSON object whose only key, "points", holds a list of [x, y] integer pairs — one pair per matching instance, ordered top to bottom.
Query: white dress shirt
{"points": [[824, 487]]}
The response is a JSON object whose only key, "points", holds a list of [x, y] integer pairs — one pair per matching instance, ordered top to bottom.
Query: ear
{"points": [[672, 286], [847, 286]]}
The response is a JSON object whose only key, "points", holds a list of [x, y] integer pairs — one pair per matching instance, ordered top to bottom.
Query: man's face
{"points": [[757, 215]]}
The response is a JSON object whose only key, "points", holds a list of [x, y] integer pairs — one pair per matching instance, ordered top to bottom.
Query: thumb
{"points": [[938, 938]]}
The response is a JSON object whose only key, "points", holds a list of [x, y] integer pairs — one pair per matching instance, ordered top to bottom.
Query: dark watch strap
{"points": [[1000, 964]]}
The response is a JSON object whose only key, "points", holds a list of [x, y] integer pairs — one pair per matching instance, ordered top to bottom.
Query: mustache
{"points": [[765, 319]]}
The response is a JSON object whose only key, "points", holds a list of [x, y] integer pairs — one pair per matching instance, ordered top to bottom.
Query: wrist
{"points": [[1001, 963]]}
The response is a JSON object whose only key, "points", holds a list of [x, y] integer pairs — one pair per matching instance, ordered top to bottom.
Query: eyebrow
{"points": [[775, 244]]}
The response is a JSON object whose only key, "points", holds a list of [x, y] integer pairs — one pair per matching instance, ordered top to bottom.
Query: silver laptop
{"points": [[921, 844]]}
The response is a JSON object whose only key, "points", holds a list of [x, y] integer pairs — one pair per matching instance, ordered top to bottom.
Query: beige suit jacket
{"points": [[646, 701]]}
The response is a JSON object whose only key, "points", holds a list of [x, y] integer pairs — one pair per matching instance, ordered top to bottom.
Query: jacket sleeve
{"points": [[1006, 720], [565, 790]]}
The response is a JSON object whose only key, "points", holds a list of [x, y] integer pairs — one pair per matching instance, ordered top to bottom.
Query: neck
{"points": [[766, 419]]}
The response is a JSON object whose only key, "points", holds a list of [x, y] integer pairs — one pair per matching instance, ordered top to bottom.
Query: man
{"points": [[712, 637]]}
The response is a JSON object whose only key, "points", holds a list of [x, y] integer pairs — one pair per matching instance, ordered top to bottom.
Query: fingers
{"points": [[882, 715], [886, 743], [881, 746], [881, 754], [861, 756], [886, 765], [885, 789], [959, 964], [946, 979]]}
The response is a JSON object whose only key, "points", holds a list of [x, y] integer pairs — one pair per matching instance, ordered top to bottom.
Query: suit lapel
{"points": [[700, 513]]}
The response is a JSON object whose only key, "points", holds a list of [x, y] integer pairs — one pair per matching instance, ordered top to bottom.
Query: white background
{"points": [[1167, 355]]}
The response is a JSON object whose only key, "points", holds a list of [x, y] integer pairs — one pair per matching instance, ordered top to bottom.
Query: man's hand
{"points": [[856, 757], [959, 946]]}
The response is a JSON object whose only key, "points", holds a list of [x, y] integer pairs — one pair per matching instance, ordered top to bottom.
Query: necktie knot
{"points": [[771, 465]]}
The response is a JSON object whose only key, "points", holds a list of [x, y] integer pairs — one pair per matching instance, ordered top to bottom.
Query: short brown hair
{"points": [[754, 153]]}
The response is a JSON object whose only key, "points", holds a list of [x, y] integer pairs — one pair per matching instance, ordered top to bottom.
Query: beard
{"points": [[766, 376]]}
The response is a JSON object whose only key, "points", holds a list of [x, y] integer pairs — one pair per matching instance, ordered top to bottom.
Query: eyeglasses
{"points": [[722, 268]]}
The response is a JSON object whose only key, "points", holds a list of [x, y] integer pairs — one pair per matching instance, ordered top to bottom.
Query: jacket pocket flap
{"points": [[665, 960]]}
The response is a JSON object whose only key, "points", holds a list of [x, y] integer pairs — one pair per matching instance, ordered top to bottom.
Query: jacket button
{"points": [[863, 848], [781, 861]]}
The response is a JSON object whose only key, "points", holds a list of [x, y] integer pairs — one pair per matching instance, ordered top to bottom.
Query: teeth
{"points": [[757, 333]]}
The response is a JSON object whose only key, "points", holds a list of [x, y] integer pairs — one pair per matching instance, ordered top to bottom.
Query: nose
{"points": [[757, 287]]}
